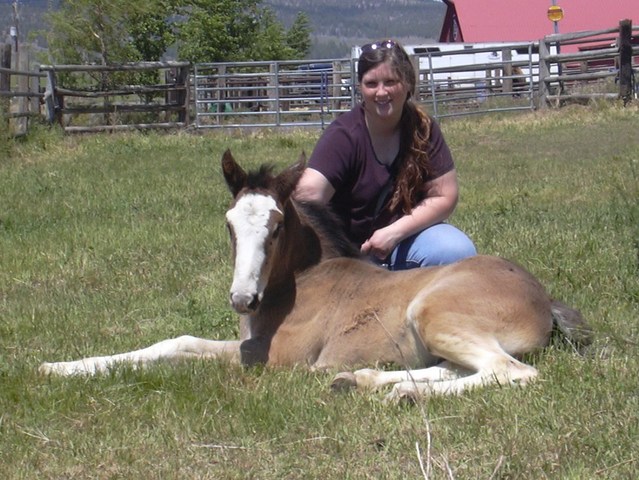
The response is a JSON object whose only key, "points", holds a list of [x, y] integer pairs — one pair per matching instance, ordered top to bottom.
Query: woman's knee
{"points": [[440, 244], [443, 254]]}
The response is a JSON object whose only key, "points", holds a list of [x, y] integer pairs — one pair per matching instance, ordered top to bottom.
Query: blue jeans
{"points": [[439, 244]]}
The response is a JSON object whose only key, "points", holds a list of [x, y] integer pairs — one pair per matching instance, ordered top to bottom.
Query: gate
{"points": [[271, 94]]}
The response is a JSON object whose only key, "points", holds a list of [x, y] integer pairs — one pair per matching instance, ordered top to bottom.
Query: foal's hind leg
{"points": [[477, 338], [182, 347], [493, 366]]}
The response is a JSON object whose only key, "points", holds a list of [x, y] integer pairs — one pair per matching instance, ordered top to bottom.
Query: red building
{"points": [[481, 21]]}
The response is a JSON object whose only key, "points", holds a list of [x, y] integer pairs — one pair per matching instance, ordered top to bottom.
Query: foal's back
{"points": [[350, 312]]}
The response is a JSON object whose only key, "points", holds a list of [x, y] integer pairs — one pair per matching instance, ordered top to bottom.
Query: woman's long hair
{"points": [[413, 165]]}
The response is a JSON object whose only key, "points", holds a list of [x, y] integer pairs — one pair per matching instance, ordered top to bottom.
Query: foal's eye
{"points": [[278, 229]]}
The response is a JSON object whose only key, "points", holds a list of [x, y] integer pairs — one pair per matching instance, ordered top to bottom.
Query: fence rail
{"points": [[602, 68], [452, 81], [497, 82], [271, 93], [19, 99], [124, 103]]}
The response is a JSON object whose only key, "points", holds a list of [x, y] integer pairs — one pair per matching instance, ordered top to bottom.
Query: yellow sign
{"points": [[555, 13]]}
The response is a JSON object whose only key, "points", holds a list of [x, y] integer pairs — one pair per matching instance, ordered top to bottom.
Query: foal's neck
{"points": [[324, 230], [310, 237]]}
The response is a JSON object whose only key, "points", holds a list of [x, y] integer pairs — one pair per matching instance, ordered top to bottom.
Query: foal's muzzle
{"points": [[245, 302]]}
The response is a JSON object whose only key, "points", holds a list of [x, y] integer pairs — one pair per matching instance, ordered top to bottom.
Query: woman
{"points": [[385, 168]]}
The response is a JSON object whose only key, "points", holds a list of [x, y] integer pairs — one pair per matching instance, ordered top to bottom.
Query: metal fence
{"points": [[478, 79], [452, 80], [461, 80], [269, 94]]}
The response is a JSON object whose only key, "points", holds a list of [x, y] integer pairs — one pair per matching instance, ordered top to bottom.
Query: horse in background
{"points": [[306, 296]]}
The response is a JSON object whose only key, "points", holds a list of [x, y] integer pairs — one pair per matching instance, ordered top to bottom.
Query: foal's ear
{"points": [[234, 175], [286, 181]]}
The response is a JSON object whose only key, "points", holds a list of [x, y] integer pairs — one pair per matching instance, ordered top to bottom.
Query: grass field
{"points": [[112, 242]]}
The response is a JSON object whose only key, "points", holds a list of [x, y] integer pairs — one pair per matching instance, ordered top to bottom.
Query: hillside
{"points": [[336, 24], [339, 24]]}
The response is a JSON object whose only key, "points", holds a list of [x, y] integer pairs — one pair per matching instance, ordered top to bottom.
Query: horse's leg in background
{"points": [[182, 347]]}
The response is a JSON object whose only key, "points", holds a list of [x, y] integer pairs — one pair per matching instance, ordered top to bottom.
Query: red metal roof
{"points": [[526, 20]]}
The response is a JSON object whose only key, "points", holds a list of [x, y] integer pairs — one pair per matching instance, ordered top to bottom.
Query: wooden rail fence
{"points": [[602, 68], [94, 98], [19, 99]]}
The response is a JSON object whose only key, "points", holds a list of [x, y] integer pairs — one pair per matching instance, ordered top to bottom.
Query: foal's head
{"points": [[255, 221]]}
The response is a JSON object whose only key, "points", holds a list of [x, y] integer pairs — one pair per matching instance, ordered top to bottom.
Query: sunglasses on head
{"points": [[385, 45]]}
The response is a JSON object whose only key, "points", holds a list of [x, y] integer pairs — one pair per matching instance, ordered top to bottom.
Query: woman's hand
{"points": [[440, 201], [381, 243]]}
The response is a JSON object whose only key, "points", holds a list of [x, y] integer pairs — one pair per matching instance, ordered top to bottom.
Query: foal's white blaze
{"points": [[249, 219]]}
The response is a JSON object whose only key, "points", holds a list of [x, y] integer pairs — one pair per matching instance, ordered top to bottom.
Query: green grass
{"points": [[113, 242]]}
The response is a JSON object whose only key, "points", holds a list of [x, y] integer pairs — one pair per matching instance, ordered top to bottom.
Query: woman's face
{"points": [[383, 92]]}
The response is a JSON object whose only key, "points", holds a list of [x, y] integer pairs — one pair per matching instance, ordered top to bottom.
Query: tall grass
{"points": [[113, 242]]}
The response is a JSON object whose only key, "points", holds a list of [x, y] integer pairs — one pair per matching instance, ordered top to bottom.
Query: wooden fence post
{"points": [[625, 61], [544, 73], [5, 79], [507, 80], [34, 88], [171, 95], [183, 97], [20, 123]]}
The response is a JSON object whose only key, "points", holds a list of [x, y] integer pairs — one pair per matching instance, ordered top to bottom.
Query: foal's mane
{"points": [[329, 228]]}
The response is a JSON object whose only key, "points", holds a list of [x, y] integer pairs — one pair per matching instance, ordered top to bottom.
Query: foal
{"points": [[306, 297]]}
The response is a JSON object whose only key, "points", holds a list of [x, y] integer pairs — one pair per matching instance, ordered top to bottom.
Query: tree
{"points": [[215, 30], [235, 30], [109, 31], [118, 31], [152, 33], [298, 36], [270, 40]]}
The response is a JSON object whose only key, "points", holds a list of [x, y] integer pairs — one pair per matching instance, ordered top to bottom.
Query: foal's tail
{"points": [[571, 324]]}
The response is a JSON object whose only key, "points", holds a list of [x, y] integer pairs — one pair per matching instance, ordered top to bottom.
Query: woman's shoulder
{"points": [[351, 121], [342, 142]]}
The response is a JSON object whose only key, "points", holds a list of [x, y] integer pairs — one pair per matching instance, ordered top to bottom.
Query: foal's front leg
{"points": [[182, 347], [371, 379]]}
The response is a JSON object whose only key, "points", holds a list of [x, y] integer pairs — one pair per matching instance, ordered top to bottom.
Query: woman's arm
{"points": [[313, 187], [440, 202]]}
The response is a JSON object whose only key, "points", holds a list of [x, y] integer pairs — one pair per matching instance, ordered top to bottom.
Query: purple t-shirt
{"points": [[344, 155]]}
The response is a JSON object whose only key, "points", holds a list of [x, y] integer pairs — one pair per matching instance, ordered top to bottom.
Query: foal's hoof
{"points": [[47, 369], [65, 369], [344, 381], [402, 396]]}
